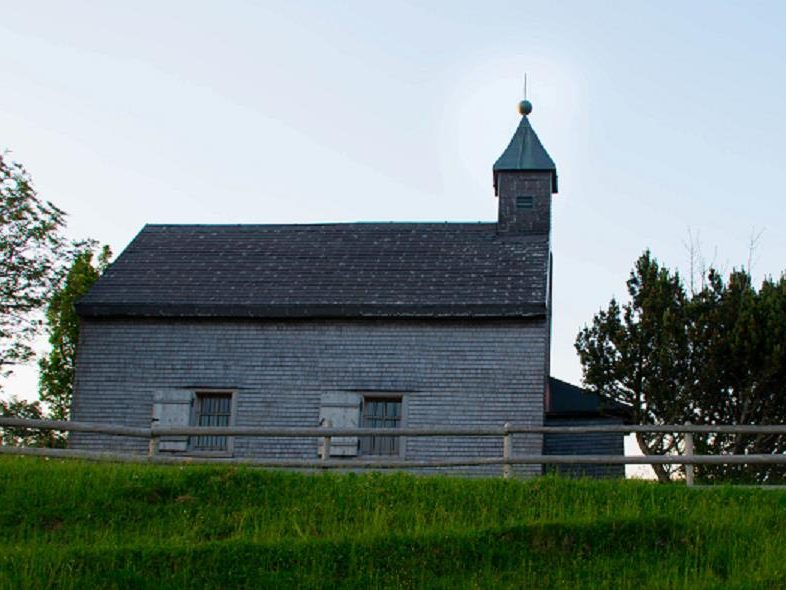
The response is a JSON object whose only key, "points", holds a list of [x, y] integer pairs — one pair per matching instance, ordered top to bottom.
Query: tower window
{"points": [[524, 201]]}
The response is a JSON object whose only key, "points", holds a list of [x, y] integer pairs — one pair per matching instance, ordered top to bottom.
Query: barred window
{"points": [[212, 409], [379, 412]]}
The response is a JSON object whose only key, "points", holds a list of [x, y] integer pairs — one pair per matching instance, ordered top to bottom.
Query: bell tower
{"points": [[525, 177]]}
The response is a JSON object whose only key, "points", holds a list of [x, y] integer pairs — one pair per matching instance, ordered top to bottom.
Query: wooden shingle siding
{"points": [[462, 373], [601, 443]]}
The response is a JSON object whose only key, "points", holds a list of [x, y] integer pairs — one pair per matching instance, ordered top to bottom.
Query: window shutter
{"points": [[172, 408], [343, 411]]}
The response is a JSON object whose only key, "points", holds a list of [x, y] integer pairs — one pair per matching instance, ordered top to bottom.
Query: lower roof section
{"points": [[570, 401]]}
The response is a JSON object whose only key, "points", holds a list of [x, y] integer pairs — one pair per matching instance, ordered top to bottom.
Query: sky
{"points": [[664, 119]]}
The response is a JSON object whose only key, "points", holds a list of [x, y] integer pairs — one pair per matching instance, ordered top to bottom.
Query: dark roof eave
{"points": [[304, 311]]}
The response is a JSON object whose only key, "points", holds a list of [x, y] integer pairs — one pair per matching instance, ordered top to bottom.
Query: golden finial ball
{"points": [[525, 107]]}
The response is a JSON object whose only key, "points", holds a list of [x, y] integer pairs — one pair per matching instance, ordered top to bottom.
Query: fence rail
{"points": [[318, 431], [507, 460]]}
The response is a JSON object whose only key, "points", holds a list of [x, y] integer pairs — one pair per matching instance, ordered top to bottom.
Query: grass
{"points": [[68, 524]]}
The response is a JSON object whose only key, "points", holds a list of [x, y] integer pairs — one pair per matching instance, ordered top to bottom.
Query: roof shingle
{"points": [[328, 270]]}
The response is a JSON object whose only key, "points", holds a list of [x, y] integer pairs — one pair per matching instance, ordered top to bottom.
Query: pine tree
{"points": [[716, 356]]}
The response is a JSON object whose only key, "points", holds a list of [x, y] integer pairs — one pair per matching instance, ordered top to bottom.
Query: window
{"points": [[525, 202], [175, 407], [211, 409], [380, 412]]}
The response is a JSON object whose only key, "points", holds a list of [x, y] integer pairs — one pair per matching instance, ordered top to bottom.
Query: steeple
{"points": [[525, 152], [525, 177]]}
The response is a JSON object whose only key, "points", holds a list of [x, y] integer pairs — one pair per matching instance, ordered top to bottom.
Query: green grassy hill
{"points": [[69, 524]]}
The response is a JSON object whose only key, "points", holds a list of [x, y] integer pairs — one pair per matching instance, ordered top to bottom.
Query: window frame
{"points": [[194, 421], [402, 423]]}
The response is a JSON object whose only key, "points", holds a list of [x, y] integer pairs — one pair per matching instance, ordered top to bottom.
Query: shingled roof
{"points": [[329, 270]]}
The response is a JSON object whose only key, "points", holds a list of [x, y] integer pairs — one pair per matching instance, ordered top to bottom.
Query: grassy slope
{"points": [[77, 525]]}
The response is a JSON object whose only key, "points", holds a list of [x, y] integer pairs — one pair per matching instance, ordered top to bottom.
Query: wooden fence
{"points": [[326, 433]]}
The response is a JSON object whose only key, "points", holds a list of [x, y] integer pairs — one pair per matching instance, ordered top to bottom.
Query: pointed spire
{"points": [[525, 152]]}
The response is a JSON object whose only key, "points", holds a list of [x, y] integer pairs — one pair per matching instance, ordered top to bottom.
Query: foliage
{"points": [[31, 250], [35, 259], [636, 353], [715, 356], [739, 370], [56, 376], [18, 437], [75, 525]]}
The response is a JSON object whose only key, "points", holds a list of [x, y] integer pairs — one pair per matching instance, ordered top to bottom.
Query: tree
{"points": [[32, 248], [637, 354], [714, 356], [739, 370], [56, 376], [18, 437]]}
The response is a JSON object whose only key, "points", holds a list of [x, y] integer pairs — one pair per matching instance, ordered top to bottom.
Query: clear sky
{"points": [[661, 117]]}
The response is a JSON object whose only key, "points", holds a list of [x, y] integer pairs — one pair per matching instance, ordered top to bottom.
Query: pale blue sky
{"points": [[660, 116]]}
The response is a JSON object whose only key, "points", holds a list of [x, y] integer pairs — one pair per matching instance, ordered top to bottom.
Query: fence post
{"points": [[326, 441], [152, 446], [506, 450], [689, 474]]}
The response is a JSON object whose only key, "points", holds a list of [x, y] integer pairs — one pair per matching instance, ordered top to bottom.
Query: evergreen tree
{"points": [[637, 354], [714, 357], [739, 371]]}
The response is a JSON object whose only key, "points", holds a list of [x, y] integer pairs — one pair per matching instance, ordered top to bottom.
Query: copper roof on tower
{"points": [[526, 153]]}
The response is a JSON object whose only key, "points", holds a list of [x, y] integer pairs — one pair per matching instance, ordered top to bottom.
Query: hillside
{"points": [[69, 524]]}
